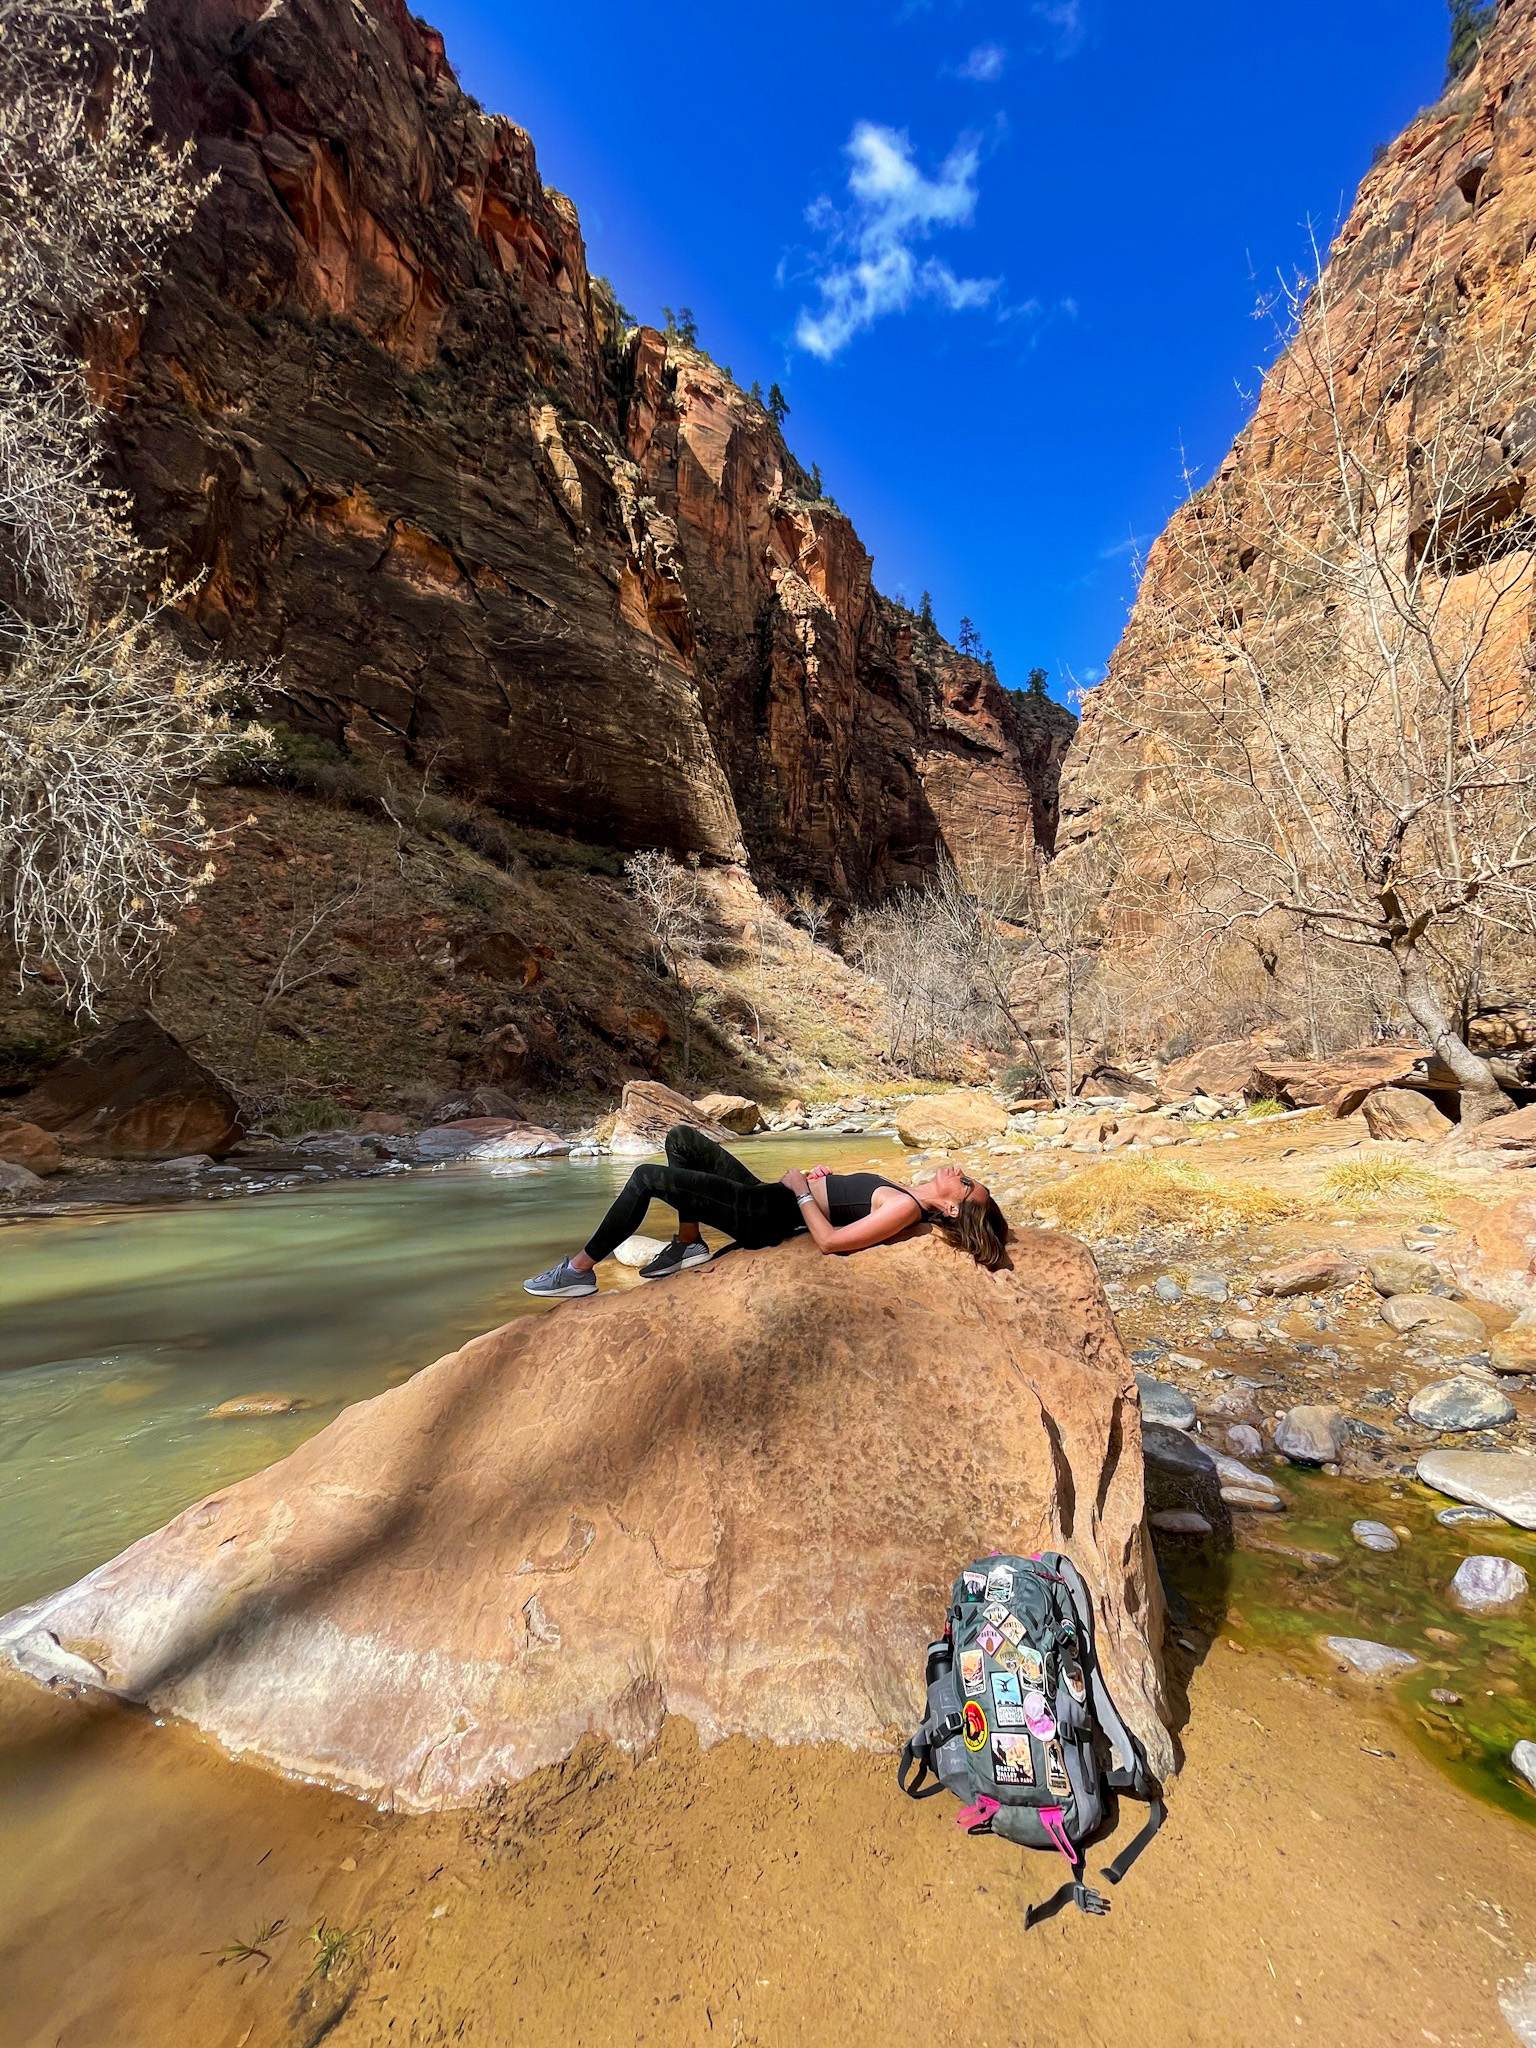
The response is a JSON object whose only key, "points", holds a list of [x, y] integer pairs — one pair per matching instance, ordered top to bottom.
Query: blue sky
{"points": [[1003, 257]]}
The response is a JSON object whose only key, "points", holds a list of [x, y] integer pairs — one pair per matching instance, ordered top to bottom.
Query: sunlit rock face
{"points": [[1430, 274], [473, 519], [740, 1497]]}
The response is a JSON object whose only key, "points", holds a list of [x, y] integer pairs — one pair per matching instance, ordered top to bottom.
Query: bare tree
{"points": [[1336, 704], [103, 724], [671, 897], [813, 909], [309, 952]]}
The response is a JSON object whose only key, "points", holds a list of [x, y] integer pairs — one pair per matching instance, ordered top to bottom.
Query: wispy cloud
{"points": [[1064, 18], [984, 66], [871, 264]]}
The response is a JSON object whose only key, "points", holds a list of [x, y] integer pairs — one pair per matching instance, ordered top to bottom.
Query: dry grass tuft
{"points": [[1371, 1183], [1122, 1195]]}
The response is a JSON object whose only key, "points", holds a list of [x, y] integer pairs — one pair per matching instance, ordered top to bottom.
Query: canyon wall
{"points": [[1443, 221], [463, 513]]}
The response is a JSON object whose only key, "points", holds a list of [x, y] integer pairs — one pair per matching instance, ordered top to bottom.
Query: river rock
{"points": [[134, 1093], [647, 1111], [736, 1113], [1404, 1116], [961, 1117], [487, 1137], [29, 1145], [17, 1180], [639, 1251], [1493, 1256], [1311, 1273], [1402, 1273], [1207, 1285], [1166, 1288], [1434, 1316], [1514, 1349], [1161, 1402], [257, 1404], [1461, 1404], [1311, 1434], [1244, 1441], [1504, 1481], [1258, 1499], [740, 1501], [1455, 1518], [1180, 1522], [1373, 1536], [1489, 1585], [1371, 1660], [1523, 1757]]}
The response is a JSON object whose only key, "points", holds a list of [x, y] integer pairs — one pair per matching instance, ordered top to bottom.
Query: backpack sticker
{"points": [[1000, 1582], [975, 1583], [997, 1614], [1013, 1629], [989, 1639], [1007, 1656], [1031, 1664], [973, 1671], [1077, 1685], [1007, 1700], [975, 1724], [1012, 1763], [1055, 1769]]}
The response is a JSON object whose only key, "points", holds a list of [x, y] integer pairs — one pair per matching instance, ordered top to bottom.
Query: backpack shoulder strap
{"points": [[1132, 1773]]}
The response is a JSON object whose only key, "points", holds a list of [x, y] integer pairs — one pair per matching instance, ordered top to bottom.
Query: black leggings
{"points": [[704, 1184]]}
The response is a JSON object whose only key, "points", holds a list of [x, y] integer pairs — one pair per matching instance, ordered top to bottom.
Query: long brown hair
{"points": [[981, 1227]]}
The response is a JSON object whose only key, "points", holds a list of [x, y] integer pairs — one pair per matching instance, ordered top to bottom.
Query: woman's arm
{"points": [[886, 1220]]}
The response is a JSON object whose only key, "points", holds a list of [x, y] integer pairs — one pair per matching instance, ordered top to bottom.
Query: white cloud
{"points": [[1065, 19], [984, 66], [872, 268]]}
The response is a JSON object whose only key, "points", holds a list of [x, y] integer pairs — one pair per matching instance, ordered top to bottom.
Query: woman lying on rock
{"points": [[844, 1212]]}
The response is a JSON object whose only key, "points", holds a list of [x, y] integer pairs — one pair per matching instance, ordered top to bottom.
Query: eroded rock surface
{"points": [[134, 1093], [740, 1498]]}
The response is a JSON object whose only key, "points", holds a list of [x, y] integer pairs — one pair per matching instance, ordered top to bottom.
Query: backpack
{"points": [[1016, 1701]]}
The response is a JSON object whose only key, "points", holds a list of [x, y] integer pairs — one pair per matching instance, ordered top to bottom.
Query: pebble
{"points": [[1312, 1273], [1402, 1273], [1208, 1285], [1166, 1288], [1244, 1330], [1161, 1402], [1461, 1403], [257, 1404], [1310, 1434], [1244, 1441], [1502, 1480], [1262, 1502], [1452, 1518], [1181, 1522], [1373, 1536], [1489, 1585], [1447, 1638], [1371, 1660], [1444, 1697], [1523, 1757]]}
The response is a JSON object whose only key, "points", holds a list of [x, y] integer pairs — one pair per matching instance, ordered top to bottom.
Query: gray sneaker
{"points": [[675, 1257], [561, 1280]]}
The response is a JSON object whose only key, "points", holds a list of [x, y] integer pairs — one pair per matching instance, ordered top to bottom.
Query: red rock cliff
{"points": [[468, 517]]}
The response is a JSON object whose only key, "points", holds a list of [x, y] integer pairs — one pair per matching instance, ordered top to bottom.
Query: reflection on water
{"points": [[120, 1330]]}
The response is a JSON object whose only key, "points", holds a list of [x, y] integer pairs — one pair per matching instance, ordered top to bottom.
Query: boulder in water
{"points": [[647, 1111], [1504, 1481], [740, 1498]]}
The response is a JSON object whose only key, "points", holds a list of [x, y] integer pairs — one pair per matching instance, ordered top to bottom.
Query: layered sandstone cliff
{"points": [[1442, 227], [470, 517]]}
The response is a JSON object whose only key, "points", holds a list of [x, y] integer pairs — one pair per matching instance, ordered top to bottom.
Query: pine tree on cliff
{"points": [[1470, 22], [681, 326], [756, 393], [778, 405], [817, 489], [925, 616], [969, 640], [1035, 687]]}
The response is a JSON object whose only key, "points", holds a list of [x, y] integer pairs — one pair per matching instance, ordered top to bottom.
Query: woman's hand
{"points": [[818, 1173], [795, 1181]]}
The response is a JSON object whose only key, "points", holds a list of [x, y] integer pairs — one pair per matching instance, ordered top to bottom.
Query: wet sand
{"points": [[1318, 1881]]}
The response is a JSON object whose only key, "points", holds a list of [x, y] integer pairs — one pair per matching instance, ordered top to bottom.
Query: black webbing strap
{"points": [[928, 1740], [1122, 1863], [1073, 1893]]}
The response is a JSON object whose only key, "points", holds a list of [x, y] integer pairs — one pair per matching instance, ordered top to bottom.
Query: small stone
{"points": [[190, 1162], [17, 1180], [639, 1251], [1312, 1273], [1401, 1273], [1208, 1285], [1166, 1288], [1432, 1316], [1244, 1330], [1161, 1402], [1461, 1403], [258, 1404], [1311, 1434], [1244, 1441], [1502, 1480], [1253, 1498], [1453, 1518], [1180, 1522], [1373, 1536], [1489, 1585], [1446, 1638], [1371, 1660], [1444, 1697], [1523, 1757]]}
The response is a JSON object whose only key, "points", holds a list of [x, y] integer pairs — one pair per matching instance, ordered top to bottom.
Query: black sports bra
{"points": [[851, 1196]]}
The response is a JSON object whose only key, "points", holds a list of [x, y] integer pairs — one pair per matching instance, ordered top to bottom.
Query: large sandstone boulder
{"points": [[1222, 1069], [1343, 1083], [134, 1093], [647, 1111], [738, 1113], [962, 1116], [1404, 1116], [28, 1145], [1493, 1255], [740, 1498]]}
